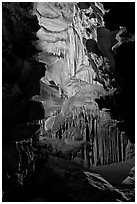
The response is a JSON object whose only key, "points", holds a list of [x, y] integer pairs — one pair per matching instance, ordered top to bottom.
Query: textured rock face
{"points": [[60, 40], [75, 44], [79, 59], [21, 75], [130, 150], [130, 180], [62, 181], [69, 182]]}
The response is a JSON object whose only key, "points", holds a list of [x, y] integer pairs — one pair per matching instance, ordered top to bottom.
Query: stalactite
{"points": [[90, 127], [61, 131], [123, 135], [121, 138], [113, 139], [92, 141], [97, 142], [109, 143], [125, 144], [87, 145], [100, 145], [106, 145], [112, 145], [115, 145], [118, 145], [109, 149], [114, 149], [97, 150], [102, 151], [92, 152], [120, 155], [85, 156], [111, 156], [115, 156], [113, 159]]}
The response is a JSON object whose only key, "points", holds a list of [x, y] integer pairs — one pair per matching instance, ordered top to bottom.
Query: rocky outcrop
{"points": [[62, 42], [79, 48], [79, 52], [79, 56], [21, 75], [130, 150], [130, 180], [60, 181], [79, 185]]}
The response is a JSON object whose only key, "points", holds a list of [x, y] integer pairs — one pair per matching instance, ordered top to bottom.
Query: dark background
{"points": [[123, 14], [123, 105]]}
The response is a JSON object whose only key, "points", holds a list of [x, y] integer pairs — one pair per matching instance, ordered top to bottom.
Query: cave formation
{"points": [[67, 101]]}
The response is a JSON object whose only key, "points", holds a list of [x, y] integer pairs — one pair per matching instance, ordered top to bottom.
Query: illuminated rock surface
{"points": [[62, 66]]}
